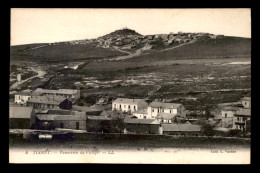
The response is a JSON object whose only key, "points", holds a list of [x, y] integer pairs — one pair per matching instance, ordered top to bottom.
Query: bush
{"points": [[80, 104]]}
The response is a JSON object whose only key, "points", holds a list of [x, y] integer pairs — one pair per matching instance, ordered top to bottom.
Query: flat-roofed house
{"points": [[68, 93], [49, 102], [128, 105], [155, 108], [227, 116], [21, 117], [142, 126], [182, 129]]}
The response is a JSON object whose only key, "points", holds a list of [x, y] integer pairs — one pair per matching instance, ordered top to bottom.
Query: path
{"points": [[178, 46], [139, 51], [40, 74]]}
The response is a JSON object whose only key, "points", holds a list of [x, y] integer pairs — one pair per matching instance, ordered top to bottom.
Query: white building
{"points": [[22, 97], [246, 102], [128, 105], [155, 108], [140, 114]]}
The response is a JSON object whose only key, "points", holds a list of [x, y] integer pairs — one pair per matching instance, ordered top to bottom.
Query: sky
{"points": [[29, 25]]}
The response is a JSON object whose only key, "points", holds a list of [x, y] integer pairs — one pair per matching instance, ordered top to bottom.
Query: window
{"points": [[114, 105], [120, 106], [128, 106], [134, 107], [152, 110], [158, 110], [162, 110], [170, 111], [225, 115], [144, 117], [237, 118], [77, 125]]}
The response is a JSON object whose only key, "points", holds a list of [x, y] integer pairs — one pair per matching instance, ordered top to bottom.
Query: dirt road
{"points": [[40, 74]]}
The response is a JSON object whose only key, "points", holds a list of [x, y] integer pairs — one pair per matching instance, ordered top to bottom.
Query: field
{"points": [[211, 48], [61, 52], [194, 83]]}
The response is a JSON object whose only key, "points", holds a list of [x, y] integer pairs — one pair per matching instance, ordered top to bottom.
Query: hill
{"points": [[129, 45], [209, 48], [61, 52]]}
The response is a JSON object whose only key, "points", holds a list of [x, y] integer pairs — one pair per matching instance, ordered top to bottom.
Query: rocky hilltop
{"points": [[129, 39]]}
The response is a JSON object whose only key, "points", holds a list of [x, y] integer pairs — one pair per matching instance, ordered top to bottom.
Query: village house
{"points": [[23, 97], [49, 102], [246, 102], [128, 105], [155, 108], [88, 110], [140, 114], [236, 114], [227, 116], [242, 116], [21, 117], [166, 117], [241, 119], [52, 121], [98, 124], [142, 126], [182, 129]]}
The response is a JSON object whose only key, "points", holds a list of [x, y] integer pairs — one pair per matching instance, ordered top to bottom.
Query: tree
{"points": [[208, 113], [118, 124], [206, 128]]}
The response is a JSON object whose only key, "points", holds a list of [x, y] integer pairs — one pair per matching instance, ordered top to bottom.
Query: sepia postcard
{"points": [[130, 86]]}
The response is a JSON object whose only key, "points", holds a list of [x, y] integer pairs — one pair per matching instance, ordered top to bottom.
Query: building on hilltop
{"points": [[128, 105], [21, 117]]}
